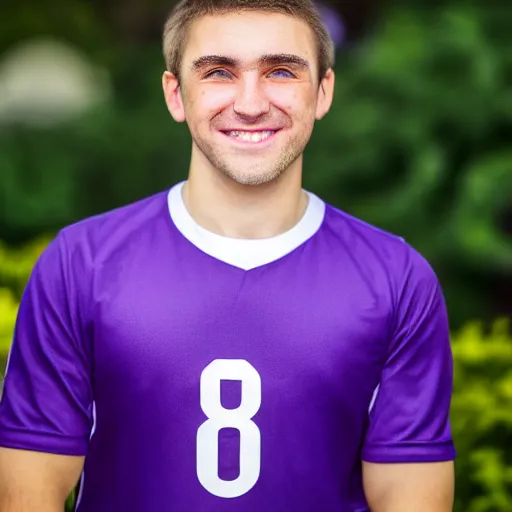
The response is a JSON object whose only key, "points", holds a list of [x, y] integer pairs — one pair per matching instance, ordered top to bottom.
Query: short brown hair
{"points": [[186, 11]]}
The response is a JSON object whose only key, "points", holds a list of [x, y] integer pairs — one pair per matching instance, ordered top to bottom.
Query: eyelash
{"points": [[284, 71], [213, 73]]}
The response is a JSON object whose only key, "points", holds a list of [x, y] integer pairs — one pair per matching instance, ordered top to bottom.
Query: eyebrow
{"points": [[284, 58], [276, 59]]}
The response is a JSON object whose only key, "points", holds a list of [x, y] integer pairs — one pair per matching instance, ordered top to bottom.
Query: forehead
{"points": [[248, 35]]}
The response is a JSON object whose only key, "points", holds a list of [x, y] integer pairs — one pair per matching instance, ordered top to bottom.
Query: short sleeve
{"points": [[46, 403], [410, 416]]}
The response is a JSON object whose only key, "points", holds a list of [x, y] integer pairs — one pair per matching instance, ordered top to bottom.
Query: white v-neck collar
{"points": [[242, 253]]}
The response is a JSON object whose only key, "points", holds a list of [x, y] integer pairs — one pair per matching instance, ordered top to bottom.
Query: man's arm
{"points": [[47, 404], [408, 450], [31, 481], [425, 487]]}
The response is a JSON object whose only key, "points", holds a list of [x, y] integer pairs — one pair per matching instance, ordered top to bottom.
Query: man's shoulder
{"points": [[118, 224], [350, 225], [101, 238], [374, 247]]}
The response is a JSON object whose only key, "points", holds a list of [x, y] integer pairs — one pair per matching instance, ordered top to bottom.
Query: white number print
{"points": [[219, 418]]}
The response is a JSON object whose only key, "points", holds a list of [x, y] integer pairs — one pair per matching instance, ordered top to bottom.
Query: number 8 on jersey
{"points": [[219, 418]]}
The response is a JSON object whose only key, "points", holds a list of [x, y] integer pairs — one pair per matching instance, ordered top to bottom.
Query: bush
{"points": [[16, 264], [15, 268], [8, 310], [482, 417]]}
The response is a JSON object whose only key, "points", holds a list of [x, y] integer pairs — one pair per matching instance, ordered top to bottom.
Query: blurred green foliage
{"points": [[417, 143]]}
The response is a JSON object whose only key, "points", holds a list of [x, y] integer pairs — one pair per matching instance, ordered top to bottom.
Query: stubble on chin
{"points": [[258, 173]]}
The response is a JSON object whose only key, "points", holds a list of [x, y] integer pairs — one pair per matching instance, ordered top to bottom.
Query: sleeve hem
{"points": [[42, 442], [420, 452]]}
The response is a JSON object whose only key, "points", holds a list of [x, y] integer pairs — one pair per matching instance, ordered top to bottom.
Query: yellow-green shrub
{"points": [[16, 264], [15, 268], [8, 310], [482, 417]]}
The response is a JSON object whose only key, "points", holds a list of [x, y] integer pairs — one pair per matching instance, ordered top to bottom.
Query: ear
{"points": [[325, 94], [173, 98]]}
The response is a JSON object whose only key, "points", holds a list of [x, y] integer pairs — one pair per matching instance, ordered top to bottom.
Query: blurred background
{"points": [[417, 143]]}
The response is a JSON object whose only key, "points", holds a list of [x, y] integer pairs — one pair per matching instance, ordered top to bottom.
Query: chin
{"points": [[253, 177]]}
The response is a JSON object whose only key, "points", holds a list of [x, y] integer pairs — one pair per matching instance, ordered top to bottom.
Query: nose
{"points": [[251, 101]]}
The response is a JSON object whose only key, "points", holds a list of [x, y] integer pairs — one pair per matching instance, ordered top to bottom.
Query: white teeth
{"points": [[251, 136]]}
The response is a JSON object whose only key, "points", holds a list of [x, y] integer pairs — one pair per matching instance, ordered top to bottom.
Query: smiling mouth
{"points": [[253, 137]]}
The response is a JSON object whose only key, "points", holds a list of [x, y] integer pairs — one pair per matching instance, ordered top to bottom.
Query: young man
{"points": [[234, 344]]}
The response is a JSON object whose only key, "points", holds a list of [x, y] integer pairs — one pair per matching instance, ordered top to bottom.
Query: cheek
{"points": [[209, 101], [298, 103]]}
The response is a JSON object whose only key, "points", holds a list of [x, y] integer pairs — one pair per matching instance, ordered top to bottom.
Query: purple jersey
{"points": [[200, 373]]}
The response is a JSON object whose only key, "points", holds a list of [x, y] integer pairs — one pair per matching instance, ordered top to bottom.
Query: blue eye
{"points": [[218, 73], [282, 73]]}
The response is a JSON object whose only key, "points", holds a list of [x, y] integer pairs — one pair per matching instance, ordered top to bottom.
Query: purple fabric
{"points": [[183, 359]]}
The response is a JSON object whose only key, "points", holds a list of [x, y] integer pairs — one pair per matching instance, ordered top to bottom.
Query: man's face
{"points": [[249, 92]]}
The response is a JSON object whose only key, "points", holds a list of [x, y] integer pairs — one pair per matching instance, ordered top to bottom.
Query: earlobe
{"points": [[325, 94], [173, 97]]}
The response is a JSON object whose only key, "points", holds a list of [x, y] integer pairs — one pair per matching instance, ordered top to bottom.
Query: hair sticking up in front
{"points": [[186, 11]]}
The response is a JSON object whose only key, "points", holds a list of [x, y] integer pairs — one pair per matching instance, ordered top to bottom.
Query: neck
{"points": [[222, 206]]}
